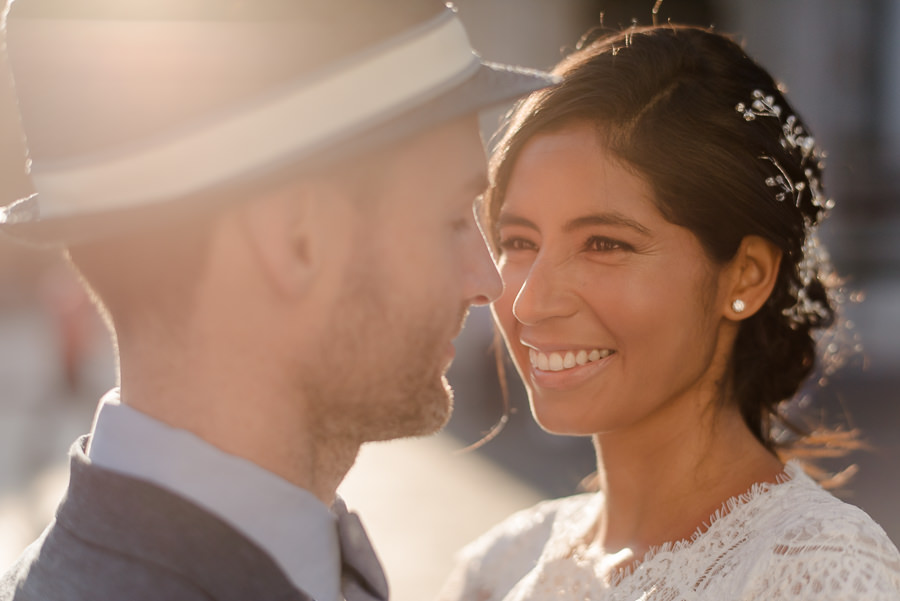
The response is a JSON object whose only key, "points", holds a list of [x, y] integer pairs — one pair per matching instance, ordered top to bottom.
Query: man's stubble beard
{"points": [[379, 374]]}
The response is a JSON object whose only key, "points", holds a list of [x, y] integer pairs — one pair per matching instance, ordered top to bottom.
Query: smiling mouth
{"points": [[560, 361]]}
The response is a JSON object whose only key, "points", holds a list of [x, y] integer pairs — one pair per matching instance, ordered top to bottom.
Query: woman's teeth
{"points": [[565, 360]]}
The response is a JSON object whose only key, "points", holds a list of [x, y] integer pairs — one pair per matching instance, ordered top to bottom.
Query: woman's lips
{"points": [[562, 360], [561, 370]]}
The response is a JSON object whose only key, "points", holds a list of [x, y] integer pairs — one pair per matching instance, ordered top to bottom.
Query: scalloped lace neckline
{"points": [[601, 563]]}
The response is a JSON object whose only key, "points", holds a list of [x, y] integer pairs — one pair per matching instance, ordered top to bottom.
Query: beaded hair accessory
{"points": [[794, 138], [814, 264]]}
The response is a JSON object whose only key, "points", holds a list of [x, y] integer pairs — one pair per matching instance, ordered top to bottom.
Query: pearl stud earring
{"points": [[738, 306]]}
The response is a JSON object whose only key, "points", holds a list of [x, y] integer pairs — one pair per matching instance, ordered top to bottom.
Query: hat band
{"points": [[369, 89]]}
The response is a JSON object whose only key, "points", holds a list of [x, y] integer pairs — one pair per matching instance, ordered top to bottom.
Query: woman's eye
{"points": [[514, 244], [604, 244]]}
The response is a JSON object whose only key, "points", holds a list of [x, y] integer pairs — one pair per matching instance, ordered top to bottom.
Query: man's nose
{"points": [[486, 284]]}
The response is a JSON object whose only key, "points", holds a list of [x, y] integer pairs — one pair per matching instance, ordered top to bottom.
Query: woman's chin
{"points": [[559, 422]]}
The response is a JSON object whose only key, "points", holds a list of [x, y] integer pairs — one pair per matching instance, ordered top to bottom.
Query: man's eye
{"points": [[460, 224]]}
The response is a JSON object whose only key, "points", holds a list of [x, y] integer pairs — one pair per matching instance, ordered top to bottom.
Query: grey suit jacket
{"points": [[116, 538]]}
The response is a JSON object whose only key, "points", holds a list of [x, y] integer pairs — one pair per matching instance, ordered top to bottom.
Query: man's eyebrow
{"points": [[476, 186]]}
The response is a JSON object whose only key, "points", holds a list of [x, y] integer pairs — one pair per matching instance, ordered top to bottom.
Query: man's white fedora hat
{"points": [[133, 107]]}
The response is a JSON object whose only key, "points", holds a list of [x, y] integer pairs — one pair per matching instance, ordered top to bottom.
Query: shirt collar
{"points": [[288, 522]]}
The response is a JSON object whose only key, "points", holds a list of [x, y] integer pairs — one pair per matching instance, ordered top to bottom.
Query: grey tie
{"points": [[362, 578]]}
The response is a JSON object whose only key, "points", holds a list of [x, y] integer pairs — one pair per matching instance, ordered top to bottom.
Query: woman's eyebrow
{"points": [[609, 218], [507, 219], [615, 219]]}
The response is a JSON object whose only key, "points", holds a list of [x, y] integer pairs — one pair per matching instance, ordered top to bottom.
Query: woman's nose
{"points": [[544, 294]]}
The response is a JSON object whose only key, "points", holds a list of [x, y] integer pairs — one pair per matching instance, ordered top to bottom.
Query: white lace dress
{"points": [[783, 541]]}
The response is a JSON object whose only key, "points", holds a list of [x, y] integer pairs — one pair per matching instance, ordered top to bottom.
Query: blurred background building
{"points": [[841, 64]]}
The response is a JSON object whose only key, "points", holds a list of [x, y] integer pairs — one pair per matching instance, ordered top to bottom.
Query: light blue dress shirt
{"points": [[296, 529]]}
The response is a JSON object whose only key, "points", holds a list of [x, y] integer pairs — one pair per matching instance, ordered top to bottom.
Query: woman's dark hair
{"points": [[727, 157]]}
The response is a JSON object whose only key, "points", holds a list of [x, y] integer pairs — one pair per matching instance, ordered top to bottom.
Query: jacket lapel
{"points": [[139, 520]]}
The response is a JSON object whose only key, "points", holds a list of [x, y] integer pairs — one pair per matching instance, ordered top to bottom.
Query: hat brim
{"points": [[490, 85]]}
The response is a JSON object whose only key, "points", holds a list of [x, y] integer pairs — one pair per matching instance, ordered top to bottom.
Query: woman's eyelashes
{"points": [[516, 243], [601, 244], [606, 244]]}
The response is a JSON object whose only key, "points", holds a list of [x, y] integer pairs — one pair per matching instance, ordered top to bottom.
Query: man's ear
{"points": [[279, 227], [753, 272]]}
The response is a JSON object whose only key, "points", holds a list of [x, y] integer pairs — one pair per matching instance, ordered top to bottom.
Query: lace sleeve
{"points": [[845, 557]]}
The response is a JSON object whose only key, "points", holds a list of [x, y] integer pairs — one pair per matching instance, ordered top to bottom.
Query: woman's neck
{"points": [[664, 489]]}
